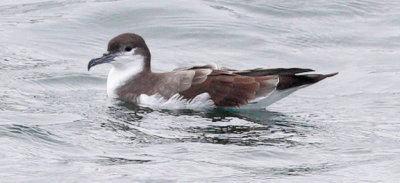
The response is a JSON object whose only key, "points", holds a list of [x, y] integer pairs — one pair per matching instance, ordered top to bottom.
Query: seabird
{"points": [[131, 76]]}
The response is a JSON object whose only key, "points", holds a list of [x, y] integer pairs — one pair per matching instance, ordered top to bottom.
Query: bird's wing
{"points": [[209, 66], [276, 71], [288, 77], [180, 80], [165, 84], [228, 89]]}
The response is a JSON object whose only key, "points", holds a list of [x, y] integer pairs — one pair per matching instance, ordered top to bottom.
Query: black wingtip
{"points": [[301, 70], [276, 71], [331, 74], [292, 81]]}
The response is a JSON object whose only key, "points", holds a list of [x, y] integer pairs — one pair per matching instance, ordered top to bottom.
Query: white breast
{"points": [[123, 68]]}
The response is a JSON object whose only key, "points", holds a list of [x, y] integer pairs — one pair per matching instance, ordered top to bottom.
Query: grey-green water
{"points": [[57, 125]]}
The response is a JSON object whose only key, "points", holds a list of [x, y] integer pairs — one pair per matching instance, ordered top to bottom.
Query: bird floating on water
{"points": [[131, 77]]}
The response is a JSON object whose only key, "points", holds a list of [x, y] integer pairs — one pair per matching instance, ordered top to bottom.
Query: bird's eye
{"points": [[128, 48]]}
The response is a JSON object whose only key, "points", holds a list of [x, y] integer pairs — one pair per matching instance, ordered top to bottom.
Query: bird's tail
{"points": [[293, 81]]}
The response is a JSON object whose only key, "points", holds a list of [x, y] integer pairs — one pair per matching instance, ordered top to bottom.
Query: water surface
{"points": [[57, 124]]}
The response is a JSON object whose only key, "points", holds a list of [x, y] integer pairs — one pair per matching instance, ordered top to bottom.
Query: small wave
{"points": [[75, 81], [31, 133], [105, 160]]}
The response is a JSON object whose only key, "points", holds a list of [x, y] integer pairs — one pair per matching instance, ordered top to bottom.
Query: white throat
{"points": [[123, 68]]}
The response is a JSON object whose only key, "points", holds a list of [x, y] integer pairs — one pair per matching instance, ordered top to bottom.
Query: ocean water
{"points": [[57, 124]]}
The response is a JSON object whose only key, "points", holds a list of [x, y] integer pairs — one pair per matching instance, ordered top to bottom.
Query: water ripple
{"points": [[57, 124]]}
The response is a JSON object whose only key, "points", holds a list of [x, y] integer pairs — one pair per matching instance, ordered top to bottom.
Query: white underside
{"points": [[123, 68], [275, 96], [203, 101]]}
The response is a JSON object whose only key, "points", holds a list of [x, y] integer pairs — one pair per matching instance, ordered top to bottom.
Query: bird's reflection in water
{"points": [[261, 127]]}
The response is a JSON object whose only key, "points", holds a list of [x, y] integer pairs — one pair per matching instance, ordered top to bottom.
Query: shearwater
{"points": [[131, 77]]}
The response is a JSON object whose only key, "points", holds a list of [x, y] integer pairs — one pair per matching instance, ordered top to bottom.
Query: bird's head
{"points": [[124, 49]]}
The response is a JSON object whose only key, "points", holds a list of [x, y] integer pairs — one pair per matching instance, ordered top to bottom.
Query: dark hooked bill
{"points": [[106, 58]]}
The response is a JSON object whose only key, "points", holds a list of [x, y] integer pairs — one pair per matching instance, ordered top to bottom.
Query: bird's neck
{"points": [[147, 64], [123, 71]]}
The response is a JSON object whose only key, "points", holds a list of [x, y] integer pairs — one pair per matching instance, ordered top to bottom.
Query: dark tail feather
{"points": [[278, 71], [292, 81]]}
